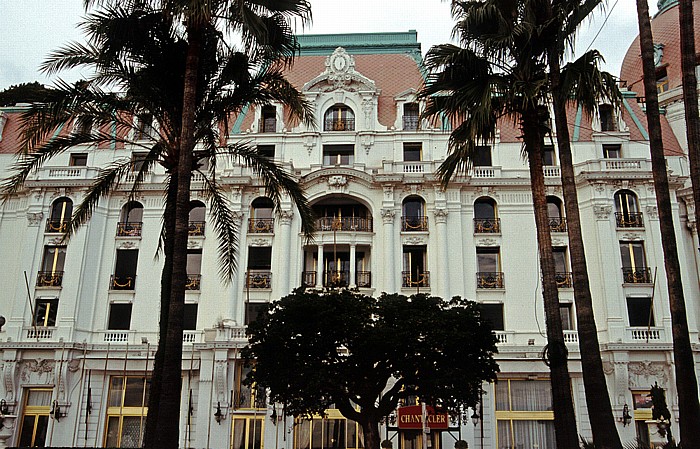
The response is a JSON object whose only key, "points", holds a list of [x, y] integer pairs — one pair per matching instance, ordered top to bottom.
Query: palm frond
{"points": [[226, 226]]}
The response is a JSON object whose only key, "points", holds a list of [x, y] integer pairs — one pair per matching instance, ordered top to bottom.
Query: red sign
{"points": [[411, 417]]}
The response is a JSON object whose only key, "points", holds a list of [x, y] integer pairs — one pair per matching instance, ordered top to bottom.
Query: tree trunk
{"points": [[165, 280], [684, 364], [562, 401], [602, 421], [167, 430], [370, 430]]}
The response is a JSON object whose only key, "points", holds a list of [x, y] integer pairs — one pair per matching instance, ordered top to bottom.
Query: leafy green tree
{"points": [[142, 53], [24, 93], [363, 354]]}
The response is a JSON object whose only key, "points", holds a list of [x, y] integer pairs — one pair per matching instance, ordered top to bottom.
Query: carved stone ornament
{"points": [[340, 67], [367, 109], [367, 140], [337, 181], [600, 187], [388, 193], [602, 212], [652, 212], [237, 215], [387, 215], [441, 216], [286, 217], [33, 219], [692, 227], [632, 236], [57, 241], [414, 241], [261, 242], [486, 242], [558, 242], [194, 244], [127, 245], [608, 368], [37, 371], [645, 373], [8, 374], [220, 374]]}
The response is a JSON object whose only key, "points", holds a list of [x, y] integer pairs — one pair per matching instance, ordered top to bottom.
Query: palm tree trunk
{"points": [[165, 280], [684, 365], [562, 400], [602, 421], [167, 429], [370, 430]]}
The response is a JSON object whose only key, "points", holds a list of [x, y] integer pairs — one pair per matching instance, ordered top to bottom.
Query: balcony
{"points": [[410, 122], [339, 124], [552, 171], [629, 219], [344, 224], [414, 224], [557, 225], [54, 226], [261, 226], [487, 226], [127, 229], [196, 229], [640, 275], [49, 278], [258, 279], [308, 279], [336, 279], [364, 279], [489, 279], [409, 280], [564, 280], [122, 282], [193, 282], [40, 333], [644, 334], [117, 336], [501, 337], [570, 337]]}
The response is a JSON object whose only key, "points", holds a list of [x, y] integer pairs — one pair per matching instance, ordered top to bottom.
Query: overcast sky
{"points": [[31, 29]]}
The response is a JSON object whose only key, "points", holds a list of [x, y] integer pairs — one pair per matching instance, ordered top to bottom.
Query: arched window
{"points": [[339, 118], [61, 211], [555, 212], [197, 213], [627, 213], [414, 218], [131, 219], [486, 219], [261, 220]]}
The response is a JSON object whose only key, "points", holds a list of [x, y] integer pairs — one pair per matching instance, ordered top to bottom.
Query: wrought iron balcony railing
{"points": [[410, 122], [342, 124], [629, 219], [345, 224], [414, 224], [557, 224], [487, 225], [57, 226], [261, 226], [196, 228], [129, 229], [639, 275], [49, 278], [336, 278], [258, 279], [308, 279], [364, 279], [409, 279], [489, 279], [564, 279], [194, 281], [122, 282]]}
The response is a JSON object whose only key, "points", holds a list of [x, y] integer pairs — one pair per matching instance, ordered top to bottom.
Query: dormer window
{"points": [[661, 80], [410, 117], [339, 118], [268, 119], [608, 122], [144, 127]]}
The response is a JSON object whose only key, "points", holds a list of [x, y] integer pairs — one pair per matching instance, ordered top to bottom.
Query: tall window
{"points": [[661, 80], [410, 117], [339, 118], [268, 119], [608, 122], [144, 127], [412, 151], [612, 151], [338, 154], [548, 155], [482, 156], [138, 161], [555, 208], [61, 211], [627, 213], [197, 216], [414, 218], [486, 219], [130, 220], [261, 220], [488, 262], [634, 263], [414, 264], [561, 265], [194, 269], [259, 273], [51, 274], [124, 277], [45, 310], [253, 311], [640, 312], [493, 314], [119, 316], [567, 317], [190, 321], [246, 395], [127, 406], [524, 415], [35, 417], [247, 432], [332, 432]]}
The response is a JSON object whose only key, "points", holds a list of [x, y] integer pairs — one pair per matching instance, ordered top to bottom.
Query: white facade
{"points": [[69, 357]]}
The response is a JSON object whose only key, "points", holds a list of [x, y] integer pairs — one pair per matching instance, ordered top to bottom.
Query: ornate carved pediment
{"points": [[340, 74], [644, 374]]}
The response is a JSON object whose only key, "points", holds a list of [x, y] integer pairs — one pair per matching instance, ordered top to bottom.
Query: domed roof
{"points": [[666, 32]]}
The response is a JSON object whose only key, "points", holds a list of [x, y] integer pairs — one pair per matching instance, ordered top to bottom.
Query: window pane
{"points": [[612, 151], [412, 152], [482, 156], [548, 157], [78, 159], [484, 210], [259, 257], [54, 258], [487, 259], [560, 259], [194, 261], [125, 266], [253, 310], [640, 313], [493, 314], [119, 316], [566, 319], [190, 322], [115, 391], [134, 392], [531, 396], [39, 398], [502, 403], [42, 425], [131, 431], [238, 434], [255, 434], [301, 434], [316, 434], [334, 434], [534, 434], [504, 435], [112, 439]]}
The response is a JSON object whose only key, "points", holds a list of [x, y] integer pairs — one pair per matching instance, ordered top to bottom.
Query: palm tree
{"points": [[143, 53], [500, 73], [585, 85], [686, 382]]}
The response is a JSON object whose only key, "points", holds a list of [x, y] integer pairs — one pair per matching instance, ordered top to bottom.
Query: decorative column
{"points": [[389, 262], [319, 267], [443, 267], [282, 277], [352, 281]]}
